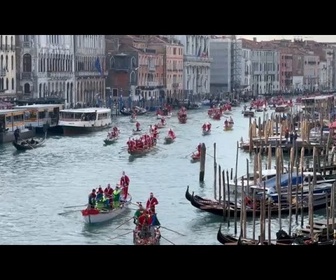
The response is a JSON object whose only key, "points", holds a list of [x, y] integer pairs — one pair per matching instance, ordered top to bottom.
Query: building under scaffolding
{"points": [[236, 65]]}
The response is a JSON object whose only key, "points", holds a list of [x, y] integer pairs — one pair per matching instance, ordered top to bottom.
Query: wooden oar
{"points": [[75, 206], [68, 212], [122, 224], [173, 231], [121, 235], [167, 240]]}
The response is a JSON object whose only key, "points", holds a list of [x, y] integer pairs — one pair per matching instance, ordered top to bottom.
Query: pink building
{"points": [[286, 70]]}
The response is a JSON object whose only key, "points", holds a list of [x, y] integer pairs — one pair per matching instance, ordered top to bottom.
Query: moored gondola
{"points": [[219, 208]]}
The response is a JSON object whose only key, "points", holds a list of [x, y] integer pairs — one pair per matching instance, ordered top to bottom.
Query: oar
{"points": [[75, 206], [68, 212], [122, 224], [173, 231], [121, 235], [167, 240]]}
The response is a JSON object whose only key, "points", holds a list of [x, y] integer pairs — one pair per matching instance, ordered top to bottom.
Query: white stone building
{"points": [[196, 64], [7, 65], [46, 66], [246, 70], [265, 71], [90, 72], [323, 75], [298, 83]]}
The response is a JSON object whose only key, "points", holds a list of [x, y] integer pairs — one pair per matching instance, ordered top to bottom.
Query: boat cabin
{"points": [[85, 114], [37, 115], [11, 119]]}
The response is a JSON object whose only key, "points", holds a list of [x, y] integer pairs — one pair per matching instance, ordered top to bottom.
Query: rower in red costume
{"points": [[163, 122], [137, 125], [204, 126], [208, 127], [171, 133], [199, 147], [124, 183], [151, 202], [144, 220]]}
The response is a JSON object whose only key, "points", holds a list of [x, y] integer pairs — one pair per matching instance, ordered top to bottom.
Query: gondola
{"points": [[137, 110], [28, 145], [216, 208], [282, 239]]}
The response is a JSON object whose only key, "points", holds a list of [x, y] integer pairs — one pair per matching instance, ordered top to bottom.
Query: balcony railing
{"points": [[26, 44], [197, 58], [151, 68], [2, 73], [26, 75], [152, 84], [175, 85]]}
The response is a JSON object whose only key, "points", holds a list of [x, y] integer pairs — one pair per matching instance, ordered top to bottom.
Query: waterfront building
{"points": [[7, 65], [196, 65], [45, 66], [136, 66], [90, 70]]}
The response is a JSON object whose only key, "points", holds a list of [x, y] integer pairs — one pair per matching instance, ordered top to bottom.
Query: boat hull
{"points": [[159, 117], [77, 130], [137, 132], [206, 132], [169, 140], [110, 141], [20, 147], [216, 208], [106, 216], [153, 239]]}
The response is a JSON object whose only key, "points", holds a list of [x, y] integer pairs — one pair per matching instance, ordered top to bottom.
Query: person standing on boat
{"points": [[137, 125], [17, 134], [124, 183], [100, 193], [116, 197], [92, 199], [151, 202], [138, 213]]}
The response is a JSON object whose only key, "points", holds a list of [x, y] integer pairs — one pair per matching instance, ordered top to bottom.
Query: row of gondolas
{"points": [[290, 200]]}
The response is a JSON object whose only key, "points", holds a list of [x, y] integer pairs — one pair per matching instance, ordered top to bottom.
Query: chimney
{"points": [[254, 39]]}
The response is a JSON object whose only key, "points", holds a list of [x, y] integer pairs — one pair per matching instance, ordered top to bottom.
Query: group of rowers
{"points": [[182, 112], [228, 122], [206, 126], [113, 133], [144, 141], [110, 198], [146, 219]]}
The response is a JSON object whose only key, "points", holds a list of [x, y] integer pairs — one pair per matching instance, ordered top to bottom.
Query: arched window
{"points": [[27, 63], [13, 85]]}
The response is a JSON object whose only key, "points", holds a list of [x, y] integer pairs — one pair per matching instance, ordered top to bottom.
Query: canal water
{"points": [[39, 187]]}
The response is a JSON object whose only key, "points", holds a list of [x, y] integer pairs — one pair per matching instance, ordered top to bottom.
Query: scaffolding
{"points": [[236, 65]]}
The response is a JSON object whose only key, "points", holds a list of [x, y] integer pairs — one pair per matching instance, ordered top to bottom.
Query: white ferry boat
{"points": [[83, 120]]}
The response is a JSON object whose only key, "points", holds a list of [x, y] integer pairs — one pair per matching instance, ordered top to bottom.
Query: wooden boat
{"points": [[137, 110], [248, 113], [168, 116], [182, 118], [160, 125], [228, 127], [137, 132], [206, 132], [169, 139], [111, 140], [28, 145], [141, 151], [195, 157], [216, 208], [94, 216], [151, 236], [282, 239]]}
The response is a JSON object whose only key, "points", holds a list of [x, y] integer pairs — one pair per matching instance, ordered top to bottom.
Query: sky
{"points": [[318, 38]]}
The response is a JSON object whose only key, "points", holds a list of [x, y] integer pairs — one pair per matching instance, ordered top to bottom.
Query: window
{"points": [[13, 84]]}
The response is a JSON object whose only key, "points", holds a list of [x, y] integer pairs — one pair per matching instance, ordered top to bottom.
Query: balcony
{"points": [[26, 44], [193, 58], [151, 68], [121, 69], [26, 75], [59, 75], [152, 84], [175, 85]]}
